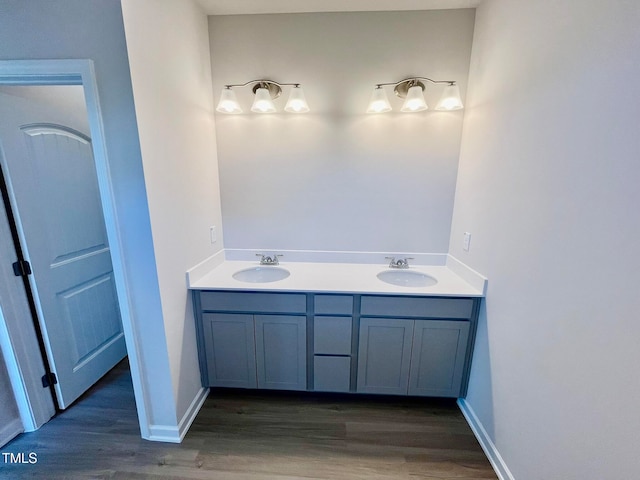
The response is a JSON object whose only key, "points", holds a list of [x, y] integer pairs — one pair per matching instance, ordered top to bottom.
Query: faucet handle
{"points": [[268, 260], [400, 263]]}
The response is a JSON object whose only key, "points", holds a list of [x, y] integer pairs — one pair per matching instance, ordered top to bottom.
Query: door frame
{"points": [[20, 359]]}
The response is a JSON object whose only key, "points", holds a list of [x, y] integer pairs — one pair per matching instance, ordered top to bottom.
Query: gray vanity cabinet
{"points": [[252, 339], [334, 342], [416, 346], [230, 351], [281, 352], [384, 355], [415, 357]]}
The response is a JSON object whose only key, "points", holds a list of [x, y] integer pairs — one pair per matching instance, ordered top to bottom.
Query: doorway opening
{"points": [[52, 186], [62, 221]]}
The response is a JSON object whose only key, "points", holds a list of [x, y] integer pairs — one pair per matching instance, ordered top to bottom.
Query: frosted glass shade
{"points": [[450, 99], [414, 101], [228, 102], [262, 102], [379, 102], [297, 103]]}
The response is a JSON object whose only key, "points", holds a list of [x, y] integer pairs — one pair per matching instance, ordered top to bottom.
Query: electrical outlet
{"points": [[213, 235], [466, 245]]}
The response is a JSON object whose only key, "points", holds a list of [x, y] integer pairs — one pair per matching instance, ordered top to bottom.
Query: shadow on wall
{"points": [[190, 384], [480, 393]]}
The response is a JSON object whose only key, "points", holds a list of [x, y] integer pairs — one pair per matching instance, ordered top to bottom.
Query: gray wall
{"points": [[337, 178], [548, 186]]}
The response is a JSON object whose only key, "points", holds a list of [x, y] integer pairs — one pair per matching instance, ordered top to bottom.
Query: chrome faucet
{"points": [[268, 260], [400, 263]]}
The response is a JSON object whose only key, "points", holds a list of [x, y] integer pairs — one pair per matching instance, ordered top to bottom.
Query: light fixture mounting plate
{"points": [[403, 87], [274, 88]]}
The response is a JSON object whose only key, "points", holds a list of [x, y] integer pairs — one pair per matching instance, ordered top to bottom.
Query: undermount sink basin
{"points": [[261, 274], [407, 278]]}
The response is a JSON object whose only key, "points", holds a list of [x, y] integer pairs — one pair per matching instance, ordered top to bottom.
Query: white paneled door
{"points": [[51, 175]]}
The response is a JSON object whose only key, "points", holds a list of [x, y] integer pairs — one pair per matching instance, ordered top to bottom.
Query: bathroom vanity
{"points": [[373, 338]]}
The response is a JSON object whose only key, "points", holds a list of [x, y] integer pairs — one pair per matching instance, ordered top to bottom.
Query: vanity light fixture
{"points": [[411, 89], [265, 91]]}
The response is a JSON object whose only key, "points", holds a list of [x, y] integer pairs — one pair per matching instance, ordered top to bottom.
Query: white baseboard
{"points": [[192, 411], [9, 431], [163, 433], [175, 434], [490, 450]]}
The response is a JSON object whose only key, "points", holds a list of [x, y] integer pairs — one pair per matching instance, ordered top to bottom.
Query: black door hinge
{"points": [[21, 268], [49, 379]]}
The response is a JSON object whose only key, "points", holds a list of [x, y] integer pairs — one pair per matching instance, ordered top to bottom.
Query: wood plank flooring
{"points": [[251, 435]]}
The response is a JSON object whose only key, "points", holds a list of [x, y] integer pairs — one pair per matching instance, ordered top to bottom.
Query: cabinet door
{"points": [[230, 350], [281, 352], [384, 355], [437, 361]]}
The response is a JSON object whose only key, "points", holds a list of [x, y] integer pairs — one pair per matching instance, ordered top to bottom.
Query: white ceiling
{"points": [[235, 7]]}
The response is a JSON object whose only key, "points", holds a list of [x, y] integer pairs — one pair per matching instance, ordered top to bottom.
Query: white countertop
{"points": [[358, 278]]}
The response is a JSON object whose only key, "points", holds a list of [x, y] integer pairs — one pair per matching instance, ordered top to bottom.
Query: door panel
{"points": [[63, 172], [51, 174], [90, 332], [281, 352], [231, 356], [437, 360]]}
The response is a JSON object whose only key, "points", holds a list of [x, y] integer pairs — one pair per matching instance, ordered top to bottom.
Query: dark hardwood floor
{"points": [[249, 435]]}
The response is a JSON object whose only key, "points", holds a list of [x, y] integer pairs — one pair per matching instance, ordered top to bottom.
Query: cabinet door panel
{"points": [[281, 348], [230, 350], [384, 355], [437, 360]]}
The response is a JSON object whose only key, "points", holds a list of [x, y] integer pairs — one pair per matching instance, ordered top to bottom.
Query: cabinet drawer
{"points": [[254, 302], [333, 304], [418, 307], [332, 335], [331, 374]]}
